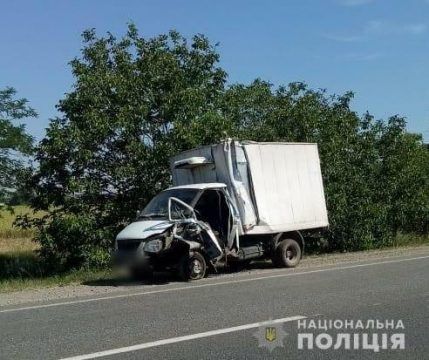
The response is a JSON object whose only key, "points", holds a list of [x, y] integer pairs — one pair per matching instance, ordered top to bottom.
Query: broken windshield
{"points": [[158, 206]]}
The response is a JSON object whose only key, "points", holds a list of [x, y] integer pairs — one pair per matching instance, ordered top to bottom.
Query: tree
{"points": [[135, 103], [296, 113], [15, 143], [375, 173], [404, 175]]}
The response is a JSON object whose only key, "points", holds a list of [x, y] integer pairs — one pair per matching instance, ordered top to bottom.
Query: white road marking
{"points": [[217, 283], [183, 338]]}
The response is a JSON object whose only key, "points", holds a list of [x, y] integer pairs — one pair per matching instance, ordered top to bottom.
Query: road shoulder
{"points": [[114, 287]]}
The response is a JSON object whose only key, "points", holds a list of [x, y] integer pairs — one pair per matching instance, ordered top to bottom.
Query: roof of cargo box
{"points": [[246, 142], [201, 186]]}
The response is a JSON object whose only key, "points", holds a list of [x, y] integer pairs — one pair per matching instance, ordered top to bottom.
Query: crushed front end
{"points": [[165, 245]]}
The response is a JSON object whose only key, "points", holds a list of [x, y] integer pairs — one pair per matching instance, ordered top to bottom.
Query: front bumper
{"points": [[125, 258], [165, 259]]}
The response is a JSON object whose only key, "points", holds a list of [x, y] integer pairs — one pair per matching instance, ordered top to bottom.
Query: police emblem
{"points": [[270, 333], [271, 336]]}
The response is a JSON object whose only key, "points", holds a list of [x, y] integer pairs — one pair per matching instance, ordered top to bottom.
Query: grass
{"points": [[7, 228], [402, 240], [17, 245], [18, 257], [21, 268], [71, 278]]}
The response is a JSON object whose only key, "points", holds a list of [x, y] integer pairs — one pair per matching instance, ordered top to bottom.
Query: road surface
{"points": [[220, 317]]}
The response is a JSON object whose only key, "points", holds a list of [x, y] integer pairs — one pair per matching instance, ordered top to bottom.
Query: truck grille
{"points": [[128, 245]]}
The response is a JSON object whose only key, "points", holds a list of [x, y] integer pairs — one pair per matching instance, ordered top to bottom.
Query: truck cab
{"points": [[179, 221]]}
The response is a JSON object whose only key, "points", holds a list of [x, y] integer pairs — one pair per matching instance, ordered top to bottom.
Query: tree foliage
{"points": [[137, 101], [15, 143]]}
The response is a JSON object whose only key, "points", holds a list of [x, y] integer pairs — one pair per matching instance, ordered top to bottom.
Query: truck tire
{"points": [[287, 253], [192, 267]]}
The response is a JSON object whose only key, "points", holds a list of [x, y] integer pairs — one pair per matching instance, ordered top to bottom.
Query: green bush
{"points": [[74, 241], [20, 265]]}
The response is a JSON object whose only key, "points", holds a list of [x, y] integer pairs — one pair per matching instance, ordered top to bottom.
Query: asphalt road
{"points": [[218, 317]]}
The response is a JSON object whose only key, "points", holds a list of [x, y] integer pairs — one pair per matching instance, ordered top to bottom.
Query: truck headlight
{"points": [[153, 246]]}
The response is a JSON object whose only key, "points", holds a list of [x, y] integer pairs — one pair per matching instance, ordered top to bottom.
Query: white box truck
{"points": [[231, 202]]}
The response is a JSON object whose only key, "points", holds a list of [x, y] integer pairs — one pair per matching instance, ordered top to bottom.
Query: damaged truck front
{"points": [[232, 202], [168, 235]]}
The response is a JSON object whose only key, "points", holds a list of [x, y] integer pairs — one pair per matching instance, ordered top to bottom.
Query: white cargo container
{"points": [[276, 187], [231, 202]]}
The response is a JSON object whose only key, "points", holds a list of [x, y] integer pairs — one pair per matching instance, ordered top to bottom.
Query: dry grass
{"points": [[7, 219], [14, 240], [16, 245], [18, 258], [20, 267]]}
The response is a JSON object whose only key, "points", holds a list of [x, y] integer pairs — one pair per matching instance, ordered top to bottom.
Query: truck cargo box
{"points": [[275, 187]]}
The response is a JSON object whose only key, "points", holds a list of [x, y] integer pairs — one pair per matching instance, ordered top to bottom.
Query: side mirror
{"points": [[183, 209]]}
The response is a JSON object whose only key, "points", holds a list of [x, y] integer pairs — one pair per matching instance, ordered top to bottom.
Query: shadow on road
{"points": [[164, 278], [124, 280]]}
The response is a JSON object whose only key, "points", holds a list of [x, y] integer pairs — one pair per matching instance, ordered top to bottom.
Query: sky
{"points": [[379, 49]]}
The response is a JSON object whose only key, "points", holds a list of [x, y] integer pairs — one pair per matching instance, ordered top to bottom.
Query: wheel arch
{"points": [[295, 235]]}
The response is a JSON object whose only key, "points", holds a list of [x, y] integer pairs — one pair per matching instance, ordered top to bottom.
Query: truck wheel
{"points": [[287, 253], [192, 267]]}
